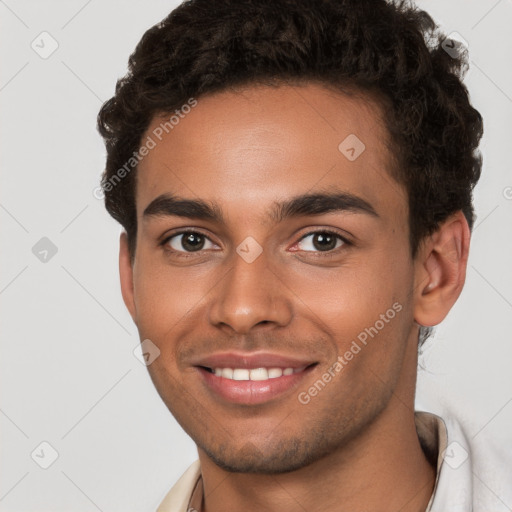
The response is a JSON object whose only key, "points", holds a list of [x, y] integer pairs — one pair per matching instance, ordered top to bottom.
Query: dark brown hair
{"points": [[388, 48]]}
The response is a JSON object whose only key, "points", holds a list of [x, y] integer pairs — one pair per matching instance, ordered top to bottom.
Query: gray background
{"points": [[68, 372]]}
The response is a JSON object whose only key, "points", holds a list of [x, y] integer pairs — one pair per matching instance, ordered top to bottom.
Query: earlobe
{"points": [[441, 270], [126, 276]]}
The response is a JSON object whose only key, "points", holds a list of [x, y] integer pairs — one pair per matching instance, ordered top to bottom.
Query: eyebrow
{"points": [[302, 205]]}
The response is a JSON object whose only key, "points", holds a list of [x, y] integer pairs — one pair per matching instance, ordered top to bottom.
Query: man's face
{"points": [[323, 282]]}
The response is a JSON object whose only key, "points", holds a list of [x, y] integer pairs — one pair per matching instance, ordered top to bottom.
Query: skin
{"points": [[350, 445]]}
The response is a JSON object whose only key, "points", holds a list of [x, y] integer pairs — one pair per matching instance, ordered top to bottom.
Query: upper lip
{"points": [[251, 360]]}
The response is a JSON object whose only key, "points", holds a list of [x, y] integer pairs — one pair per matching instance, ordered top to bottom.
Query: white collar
{"points": [[459, 486]]}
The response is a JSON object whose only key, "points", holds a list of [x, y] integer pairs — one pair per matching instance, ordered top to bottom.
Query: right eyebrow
{"points": [[168, 205], [302, 205]]}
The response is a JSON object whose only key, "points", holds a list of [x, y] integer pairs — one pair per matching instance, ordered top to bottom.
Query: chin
{"points": [[287, 456]]}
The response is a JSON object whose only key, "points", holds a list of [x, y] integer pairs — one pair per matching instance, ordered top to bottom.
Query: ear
{"points": [[440, 270], [126, 275]]}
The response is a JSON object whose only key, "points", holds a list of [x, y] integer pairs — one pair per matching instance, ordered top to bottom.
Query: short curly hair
{"points": [[390, 49]]}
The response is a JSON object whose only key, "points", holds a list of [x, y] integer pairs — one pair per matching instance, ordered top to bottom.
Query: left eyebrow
{"points": [[320, 203], [302, 205]]}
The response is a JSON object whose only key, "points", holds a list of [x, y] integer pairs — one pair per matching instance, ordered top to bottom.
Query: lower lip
{"points": [[251, 392]]}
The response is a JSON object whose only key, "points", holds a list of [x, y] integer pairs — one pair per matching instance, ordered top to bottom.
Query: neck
{"points": [[384, 469], [368, 475]]}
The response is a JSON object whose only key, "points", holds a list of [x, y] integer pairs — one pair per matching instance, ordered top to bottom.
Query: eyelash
{"points": [[187, 254]]}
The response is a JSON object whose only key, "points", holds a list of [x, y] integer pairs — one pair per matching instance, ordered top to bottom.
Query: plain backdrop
{"points": [[68, 374]]}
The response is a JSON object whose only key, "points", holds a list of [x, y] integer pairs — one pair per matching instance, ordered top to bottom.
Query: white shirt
{"points": [[470, 477]]}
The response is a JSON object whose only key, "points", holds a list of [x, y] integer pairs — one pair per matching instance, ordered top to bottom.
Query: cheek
{"points": [[164, 296], [352, 296], [346, 301], [366, 308], [378, 319]]}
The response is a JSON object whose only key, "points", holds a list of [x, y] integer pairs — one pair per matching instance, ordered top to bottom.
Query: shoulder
{"points": [[474, 473]]}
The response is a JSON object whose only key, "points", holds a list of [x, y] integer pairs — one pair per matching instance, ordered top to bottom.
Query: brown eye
{"points": [[188, 241], [321, 241]]}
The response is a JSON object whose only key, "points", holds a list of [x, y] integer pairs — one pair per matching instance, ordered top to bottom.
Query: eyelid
{"points": [[183, 231], [312, 231], [330, 231]]}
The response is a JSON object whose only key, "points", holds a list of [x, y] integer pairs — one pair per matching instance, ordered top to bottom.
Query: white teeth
{"points": [[227, 373], [255, 373], [273, 373], [241, 374], [258, 374]]}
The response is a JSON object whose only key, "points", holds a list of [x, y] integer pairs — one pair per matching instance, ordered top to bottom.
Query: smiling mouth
{"points": [[255, 374], [252, 378]]}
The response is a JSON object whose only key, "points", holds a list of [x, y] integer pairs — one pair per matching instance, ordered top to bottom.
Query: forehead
{"points": [[246, 149]]}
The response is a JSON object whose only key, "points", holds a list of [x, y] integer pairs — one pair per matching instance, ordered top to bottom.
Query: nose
{"points": [[250, 295]]}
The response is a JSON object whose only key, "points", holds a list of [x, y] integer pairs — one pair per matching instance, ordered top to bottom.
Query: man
{"points": [[295, 184]]}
